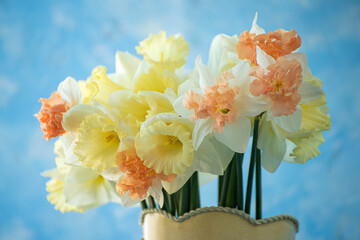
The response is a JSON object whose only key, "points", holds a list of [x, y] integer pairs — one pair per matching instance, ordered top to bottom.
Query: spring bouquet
{"points": [[151, 132]]}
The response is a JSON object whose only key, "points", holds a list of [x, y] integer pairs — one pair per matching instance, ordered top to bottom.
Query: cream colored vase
{"points": [[216, 223]]}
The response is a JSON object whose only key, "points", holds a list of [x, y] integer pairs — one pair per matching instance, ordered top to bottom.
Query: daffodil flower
{"points": [[219, 104], [77, 188]]}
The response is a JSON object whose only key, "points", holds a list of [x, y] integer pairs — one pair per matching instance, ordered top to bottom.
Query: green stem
{"points": [[251, 167], [220, 184], [239, 184], [225, 185], [194, 195], [258, 195], [184, 198], [231, 198], [151, 202], [172, 204], [143, 205], [166, 206]]}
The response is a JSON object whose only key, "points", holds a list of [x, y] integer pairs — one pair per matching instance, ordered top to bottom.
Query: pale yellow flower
{"points": [[164, 53], [148, 79], [98, 86], [135, 108], [98, 143], [165, 143]]}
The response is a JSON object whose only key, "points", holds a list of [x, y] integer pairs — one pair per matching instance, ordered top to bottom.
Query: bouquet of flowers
{"points": [[148, 132]]}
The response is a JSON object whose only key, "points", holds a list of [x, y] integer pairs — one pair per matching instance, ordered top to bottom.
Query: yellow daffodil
{"points": [[164, 53], [147, 79], [98, 86], [98, 135], [77, 188]]}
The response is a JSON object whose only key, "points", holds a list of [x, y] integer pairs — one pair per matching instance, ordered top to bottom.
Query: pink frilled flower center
{"points": [[275, 44], [280, 84], [218, 102], [51, 115], [138, 178]]}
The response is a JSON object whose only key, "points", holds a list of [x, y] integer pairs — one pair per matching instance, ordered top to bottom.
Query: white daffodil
{"points": [[219, 104]]}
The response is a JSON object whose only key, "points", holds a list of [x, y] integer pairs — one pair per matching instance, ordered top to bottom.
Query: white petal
{"points": [[255, 28], [223, 48], [263, 59], [125, 63], [206, 78], [70, 91], [309, 92], [181, 109], [74, 117], [290, 123], [202, 128], [236, 135], [69, 143], [273, 148], [289, 149], [225, 153], [208, 159], [113, 174], [81, 175], [205, 178], [180, 180], [110, 188], [156, 191], [127, 201]]}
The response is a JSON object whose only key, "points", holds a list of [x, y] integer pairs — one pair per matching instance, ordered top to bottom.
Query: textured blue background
{"points": [[42, 42]]}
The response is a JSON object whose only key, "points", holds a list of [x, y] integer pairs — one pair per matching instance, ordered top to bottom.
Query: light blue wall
{"points": [[42, 42]]}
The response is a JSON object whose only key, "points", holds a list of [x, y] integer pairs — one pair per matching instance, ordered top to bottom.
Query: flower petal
{"points": [[255, 28], [222, 49], [263, 59], [206, 78], [70, 91], [309, 92], [74, 117], [290, 123], [202, 128], [236, 135], [273, 148], [208, 159], [180, 180]]}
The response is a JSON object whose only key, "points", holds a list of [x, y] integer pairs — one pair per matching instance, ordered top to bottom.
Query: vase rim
{"points": [[234, 211]]}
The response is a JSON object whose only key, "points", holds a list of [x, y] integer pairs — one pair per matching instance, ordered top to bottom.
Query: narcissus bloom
{"points": [[164, 53], [219, 104], [53, 108], [139, 181], [77, 188]]}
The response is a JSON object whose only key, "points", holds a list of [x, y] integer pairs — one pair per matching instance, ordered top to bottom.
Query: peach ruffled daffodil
{"points": [[285, 85], [220, 105], [52, 110]]}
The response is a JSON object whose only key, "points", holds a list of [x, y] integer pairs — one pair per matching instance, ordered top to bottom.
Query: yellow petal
{"points": [[163, 53], [156, 81], [98, 86], [136, 108], [98, 143], [307, 147], [56, 196]]}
